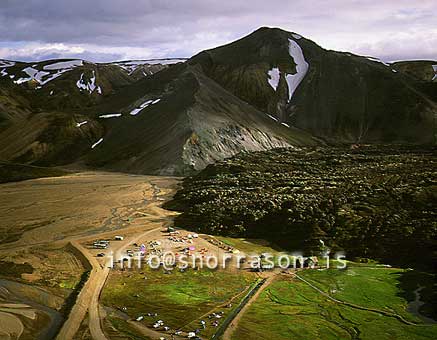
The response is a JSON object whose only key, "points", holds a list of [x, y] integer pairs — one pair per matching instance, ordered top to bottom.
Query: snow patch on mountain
{"points": [[296, 36], [377, 60], [169, 61], [6, 63], [63, 65], [132, 65], [127, 67], [434, 67], [48, 72], [33, 74], [53, 76], [42, 77], [273, 77], [293, 80], [90, 85], [138, 109], [110, 115], [275, 119], [81, 123], [285, 124], [96, 143]]}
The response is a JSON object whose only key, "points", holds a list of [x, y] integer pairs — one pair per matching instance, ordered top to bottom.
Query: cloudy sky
{"points": [[106, 30]]}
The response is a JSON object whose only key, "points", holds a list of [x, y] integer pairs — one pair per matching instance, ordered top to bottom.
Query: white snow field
{"points": [[377, 60], [6, 63], [64, 65], [131, 65], [52, 71], [43, 74], [273, 77], [293, 80], [90, 85], [138, 109], [110, 115], [275, 119], [81, 123], [96, 143]]}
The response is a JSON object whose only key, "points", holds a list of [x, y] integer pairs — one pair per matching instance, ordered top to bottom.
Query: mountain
{"points": [[423, 73], [270, 89], [337, 96], [195, 122]]}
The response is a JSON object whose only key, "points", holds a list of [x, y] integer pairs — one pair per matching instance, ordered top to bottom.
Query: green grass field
{"points": [[250, 246], [372, 287], [180, 299], [289, 308], [127, 330]]}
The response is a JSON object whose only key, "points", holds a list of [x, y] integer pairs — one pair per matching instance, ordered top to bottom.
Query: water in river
{"points": [[16, 294]]}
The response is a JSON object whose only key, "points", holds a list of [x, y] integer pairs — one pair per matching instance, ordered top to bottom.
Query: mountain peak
{"points": [[272, 88]]}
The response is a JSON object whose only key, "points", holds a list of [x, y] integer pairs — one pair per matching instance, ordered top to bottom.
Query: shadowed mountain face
{"points": [[423, 73], [270, 89], [341, 97]]}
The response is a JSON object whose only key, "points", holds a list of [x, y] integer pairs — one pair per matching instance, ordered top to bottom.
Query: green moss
{"points": [[376, 202], [123, 327]]}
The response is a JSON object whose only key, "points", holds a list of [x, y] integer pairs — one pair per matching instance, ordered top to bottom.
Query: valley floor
{"points": [[43, 225], [53, 281]]}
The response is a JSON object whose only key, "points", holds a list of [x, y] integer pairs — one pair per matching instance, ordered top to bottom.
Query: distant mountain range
{"points": [[173, 116]]}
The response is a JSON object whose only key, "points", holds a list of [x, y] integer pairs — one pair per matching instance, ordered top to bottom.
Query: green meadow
{"points": [[181, 299], [291, 309]]}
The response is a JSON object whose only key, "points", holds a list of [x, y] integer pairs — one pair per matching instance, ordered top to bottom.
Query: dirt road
{"points": [[54, 216], [88, 298], [234, 323]]}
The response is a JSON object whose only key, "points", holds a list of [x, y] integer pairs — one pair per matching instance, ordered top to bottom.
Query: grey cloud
{"points": [[182, 28]]}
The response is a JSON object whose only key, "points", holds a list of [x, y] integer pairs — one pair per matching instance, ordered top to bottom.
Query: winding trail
{"points": [[89, 296]]}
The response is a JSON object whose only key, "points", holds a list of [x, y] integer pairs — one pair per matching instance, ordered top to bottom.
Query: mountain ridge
{"points": [[270, 89]]}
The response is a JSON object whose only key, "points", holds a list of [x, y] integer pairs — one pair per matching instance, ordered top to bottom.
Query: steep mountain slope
{"points": [[421, 70], [423, 73], [71, 84], [270, 89], [337, 96], [41, 105], [171, 122], [195, 122]]}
